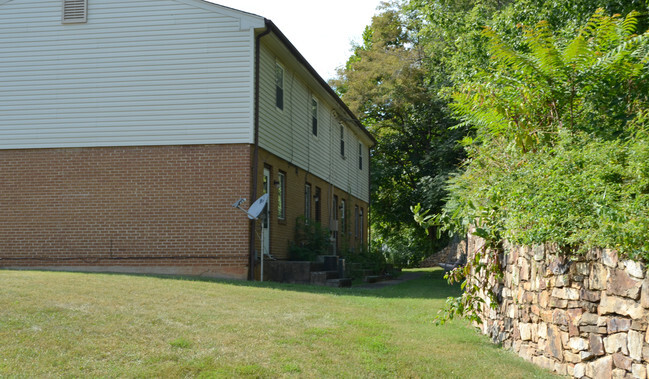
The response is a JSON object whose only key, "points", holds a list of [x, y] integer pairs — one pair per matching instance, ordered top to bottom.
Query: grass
{"points": [[77, 324]]}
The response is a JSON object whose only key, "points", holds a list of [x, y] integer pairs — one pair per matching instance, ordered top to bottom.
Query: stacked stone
{"points": [[449, 254], [587, 316]]}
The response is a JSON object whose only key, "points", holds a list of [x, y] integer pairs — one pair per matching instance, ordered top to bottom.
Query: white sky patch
{"points": [[322, 31]]}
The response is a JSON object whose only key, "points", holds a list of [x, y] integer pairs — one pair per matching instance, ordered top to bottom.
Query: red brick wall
{"points": [[161, 209], [283, 231]]}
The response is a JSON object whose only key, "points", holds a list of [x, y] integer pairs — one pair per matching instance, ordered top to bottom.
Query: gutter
{"points": [[255, 156]]}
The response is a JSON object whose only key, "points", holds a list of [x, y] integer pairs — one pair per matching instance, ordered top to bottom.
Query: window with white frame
{"points": [[279, 86], [314, 116], [342, 140], [360, 156], [281, 195], [307, 201], [318, 204], [343, 212], [360, 221], [356, 224]]}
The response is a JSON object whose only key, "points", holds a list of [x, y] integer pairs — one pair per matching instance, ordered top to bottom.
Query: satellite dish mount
{"points": [[255, 209], [255, 212]]}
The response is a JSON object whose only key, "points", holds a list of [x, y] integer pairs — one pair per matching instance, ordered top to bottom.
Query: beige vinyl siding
{"points": [[139, 72], [288, 134]]}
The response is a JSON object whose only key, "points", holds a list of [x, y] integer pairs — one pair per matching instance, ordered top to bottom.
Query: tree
{"points": [[387, 84], [561, 147]]}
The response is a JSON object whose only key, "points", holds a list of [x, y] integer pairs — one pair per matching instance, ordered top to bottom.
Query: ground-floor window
{"points": [[281, 195], [307, 201], [318, 207], [343, 220], [356, 224], [362, 229]]}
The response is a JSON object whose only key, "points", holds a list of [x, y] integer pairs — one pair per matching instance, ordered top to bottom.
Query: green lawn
{"points": [[76, 324]]}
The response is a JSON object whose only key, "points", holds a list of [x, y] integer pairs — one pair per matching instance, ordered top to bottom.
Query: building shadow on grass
{"points": [[430, 284]]}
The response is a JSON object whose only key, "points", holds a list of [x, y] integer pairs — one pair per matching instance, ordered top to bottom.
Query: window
{"points": [[74, 11], [279, 86], [314, 116], [342, 140], [360, 156], [281, 196], [307, 202], [318, 207], [335, 210], [343, 212], [356, 225], [335, 227], [361, 232]]}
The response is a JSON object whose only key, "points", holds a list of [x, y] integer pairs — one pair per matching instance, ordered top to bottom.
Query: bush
{"points": [[311, 240]]}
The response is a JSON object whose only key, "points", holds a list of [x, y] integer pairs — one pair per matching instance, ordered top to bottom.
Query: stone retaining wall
{"points": [[586, 316]]}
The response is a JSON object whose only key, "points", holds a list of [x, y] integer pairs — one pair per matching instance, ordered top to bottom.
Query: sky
{"points": [[322, 31]]}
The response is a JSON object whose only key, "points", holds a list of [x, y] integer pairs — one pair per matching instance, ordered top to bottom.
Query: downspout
{"points": [[255, 156]]}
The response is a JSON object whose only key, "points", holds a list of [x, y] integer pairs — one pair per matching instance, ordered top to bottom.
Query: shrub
{"points": [[311, 240]]}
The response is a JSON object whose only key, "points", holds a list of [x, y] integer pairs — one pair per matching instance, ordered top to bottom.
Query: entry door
{"points": [[265, 224]]}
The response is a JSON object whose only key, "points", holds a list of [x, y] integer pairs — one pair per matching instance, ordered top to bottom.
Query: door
{"points": [[265, 224]]}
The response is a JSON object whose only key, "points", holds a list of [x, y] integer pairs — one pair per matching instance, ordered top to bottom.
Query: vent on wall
{"points": [[75, 11]]}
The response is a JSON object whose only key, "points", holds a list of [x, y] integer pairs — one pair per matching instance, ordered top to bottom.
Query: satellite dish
{"points": [[257, 207]]}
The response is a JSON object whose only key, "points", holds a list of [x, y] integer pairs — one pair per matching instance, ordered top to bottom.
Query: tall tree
{"points": [[398, 80], [387, 83]]}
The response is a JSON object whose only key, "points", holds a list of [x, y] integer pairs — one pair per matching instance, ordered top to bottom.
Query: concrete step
{"points": [[363, 272], [321, 277], [372, 278], [340, 282]]}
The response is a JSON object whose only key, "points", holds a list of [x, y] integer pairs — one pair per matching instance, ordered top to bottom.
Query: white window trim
{"points": [[281, 66], [317, 115], [342, 141], [360, 156], [307, 201], [281, 211], [343, 215]]}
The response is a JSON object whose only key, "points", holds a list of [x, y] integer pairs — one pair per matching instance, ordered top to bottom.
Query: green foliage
{"points": [[451, 30], [387, 83], [595, 84], [554, 129], [560, 149], [311, 240], [367, 259]]}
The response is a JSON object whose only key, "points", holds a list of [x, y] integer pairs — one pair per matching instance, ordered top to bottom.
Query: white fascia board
{"points": [[247, 20]]}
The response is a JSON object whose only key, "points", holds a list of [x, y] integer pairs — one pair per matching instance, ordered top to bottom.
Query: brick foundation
{"points": [[159, 209]]}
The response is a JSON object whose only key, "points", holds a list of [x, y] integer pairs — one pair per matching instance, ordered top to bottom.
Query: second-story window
{"points": [[279, 86], [314, 116], [342, 140], [360, 156]]}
